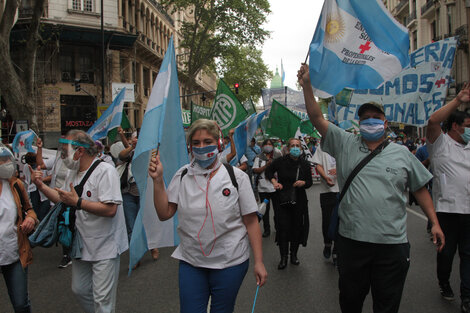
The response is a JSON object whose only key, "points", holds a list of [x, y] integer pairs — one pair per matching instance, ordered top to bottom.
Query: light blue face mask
{"points": [[372, 129], [466, 135], [295, 152], [205, 156]]}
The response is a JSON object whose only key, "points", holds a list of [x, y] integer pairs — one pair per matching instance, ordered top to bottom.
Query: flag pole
{"points": [[306, 58]]}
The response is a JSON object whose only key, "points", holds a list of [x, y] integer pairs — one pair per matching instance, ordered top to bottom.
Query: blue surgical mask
{"points": [[372, 129], [466, 135], [295, 152], [205, 156]]}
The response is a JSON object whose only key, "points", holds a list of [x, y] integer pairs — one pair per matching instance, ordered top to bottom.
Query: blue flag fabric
{"points": [[357, 44], [110, 119], [162, 127], [245, 131], [23, 141]]}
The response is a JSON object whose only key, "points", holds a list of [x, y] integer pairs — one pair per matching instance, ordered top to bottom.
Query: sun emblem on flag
{"points": [[335, 29]]}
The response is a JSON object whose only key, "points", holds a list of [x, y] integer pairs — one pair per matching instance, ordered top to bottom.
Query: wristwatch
{"points": [[79, 203]]}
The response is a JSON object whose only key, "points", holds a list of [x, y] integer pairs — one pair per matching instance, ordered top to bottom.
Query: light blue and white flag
{"points": [[357, 44], [110, 119], [162, 127], [245, 131], [24, 141]]}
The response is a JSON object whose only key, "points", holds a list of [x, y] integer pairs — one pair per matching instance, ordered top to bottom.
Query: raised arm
{"points": [[312, 106], [434, 123], [233, 149], [39, 159], [165, 210]]}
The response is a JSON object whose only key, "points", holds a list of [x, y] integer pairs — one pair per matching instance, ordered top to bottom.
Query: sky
{"points": [[292, 24]]}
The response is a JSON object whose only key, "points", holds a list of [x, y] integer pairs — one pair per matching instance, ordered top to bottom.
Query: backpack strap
{"points": [[230, 171], [184, 172], [79, 187]]}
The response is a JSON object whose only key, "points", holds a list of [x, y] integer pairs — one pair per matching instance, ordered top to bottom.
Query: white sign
{"points": [[129, 96]]}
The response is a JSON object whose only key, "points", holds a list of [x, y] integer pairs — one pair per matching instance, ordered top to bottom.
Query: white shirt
{"points": [[328, 163], [450, 164], [264, 185], [8, 230], [102, 237], [229, 244]]}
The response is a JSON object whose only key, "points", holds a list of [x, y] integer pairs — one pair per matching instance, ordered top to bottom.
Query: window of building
{"points": [[83, 5], [450, 24], [415, 40], [67, 67], [86, 68]]}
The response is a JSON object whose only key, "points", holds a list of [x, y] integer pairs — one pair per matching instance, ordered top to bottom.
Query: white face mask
{"points": [[69, 162], [7, 170]]}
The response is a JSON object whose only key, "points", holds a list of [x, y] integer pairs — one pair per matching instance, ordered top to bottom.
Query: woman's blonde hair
{"points": [[210, 126]]}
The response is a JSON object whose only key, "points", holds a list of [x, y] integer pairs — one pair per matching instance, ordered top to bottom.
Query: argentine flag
{"points": [[357, 44], [110, 119], [162, 127], [245, 131], [23, 141]]}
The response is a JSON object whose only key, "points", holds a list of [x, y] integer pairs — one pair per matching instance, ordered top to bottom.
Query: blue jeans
{"points": [[131, 206], [16, 279], [197, 284]]}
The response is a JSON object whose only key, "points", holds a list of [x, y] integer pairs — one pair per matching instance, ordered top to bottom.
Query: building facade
{"points": [[433, 20], [73, 75]]}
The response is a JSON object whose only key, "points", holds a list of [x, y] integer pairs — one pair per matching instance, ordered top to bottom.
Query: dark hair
{"points": [[455, 117], [265, 142], [30, 158]]}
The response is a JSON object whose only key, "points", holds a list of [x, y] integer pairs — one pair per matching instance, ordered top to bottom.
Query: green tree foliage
{"points": [[216, 27], [245, 65]]}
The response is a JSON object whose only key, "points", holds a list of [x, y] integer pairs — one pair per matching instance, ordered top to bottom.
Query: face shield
{"points": [[67, 150], [7, 162]]}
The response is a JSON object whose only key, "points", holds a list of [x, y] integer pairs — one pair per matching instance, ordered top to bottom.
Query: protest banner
{"points": [[412, 96]]}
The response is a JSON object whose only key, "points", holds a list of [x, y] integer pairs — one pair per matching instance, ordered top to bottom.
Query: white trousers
{"points": [[94, 283]]}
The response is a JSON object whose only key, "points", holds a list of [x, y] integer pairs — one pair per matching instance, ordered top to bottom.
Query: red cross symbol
{"points": [[365, 47], [440, 82], [21, 143], [210, 154], [226, 192]]}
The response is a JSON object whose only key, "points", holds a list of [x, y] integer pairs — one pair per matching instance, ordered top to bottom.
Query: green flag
{"points": [[249, 106], [227, 110], [199, 111], [186, 116], [282, 122], [125, 124], [306, 127]]}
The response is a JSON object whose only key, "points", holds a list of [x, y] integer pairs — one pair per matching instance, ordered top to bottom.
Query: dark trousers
{"points": [[269, 196], [328, 202], [40, 207], [289, 223], [456, 228], [382, 268]]}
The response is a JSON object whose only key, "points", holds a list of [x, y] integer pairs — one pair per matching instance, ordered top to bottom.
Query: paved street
{"points": [[310, 287]]}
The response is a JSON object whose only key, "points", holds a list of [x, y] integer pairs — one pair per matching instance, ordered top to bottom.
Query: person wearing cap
{"points": [[449, 152], [17, 220], [99, 221], [372, 243]]}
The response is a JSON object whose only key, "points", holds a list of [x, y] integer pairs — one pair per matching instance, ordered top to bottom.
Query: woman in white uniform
{"points": [[17, 219], [217, 223]]}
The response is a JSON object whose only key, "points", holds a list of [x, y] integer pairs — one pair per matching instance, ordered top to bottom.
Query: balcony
{"points": [[400, 6], [428, 9], [162, 10], [410, 19]]}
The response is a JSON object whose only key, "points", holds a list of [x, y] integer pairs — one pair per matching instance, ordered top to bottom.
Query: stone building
{"points": [[433, 20], [71, 79]]}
